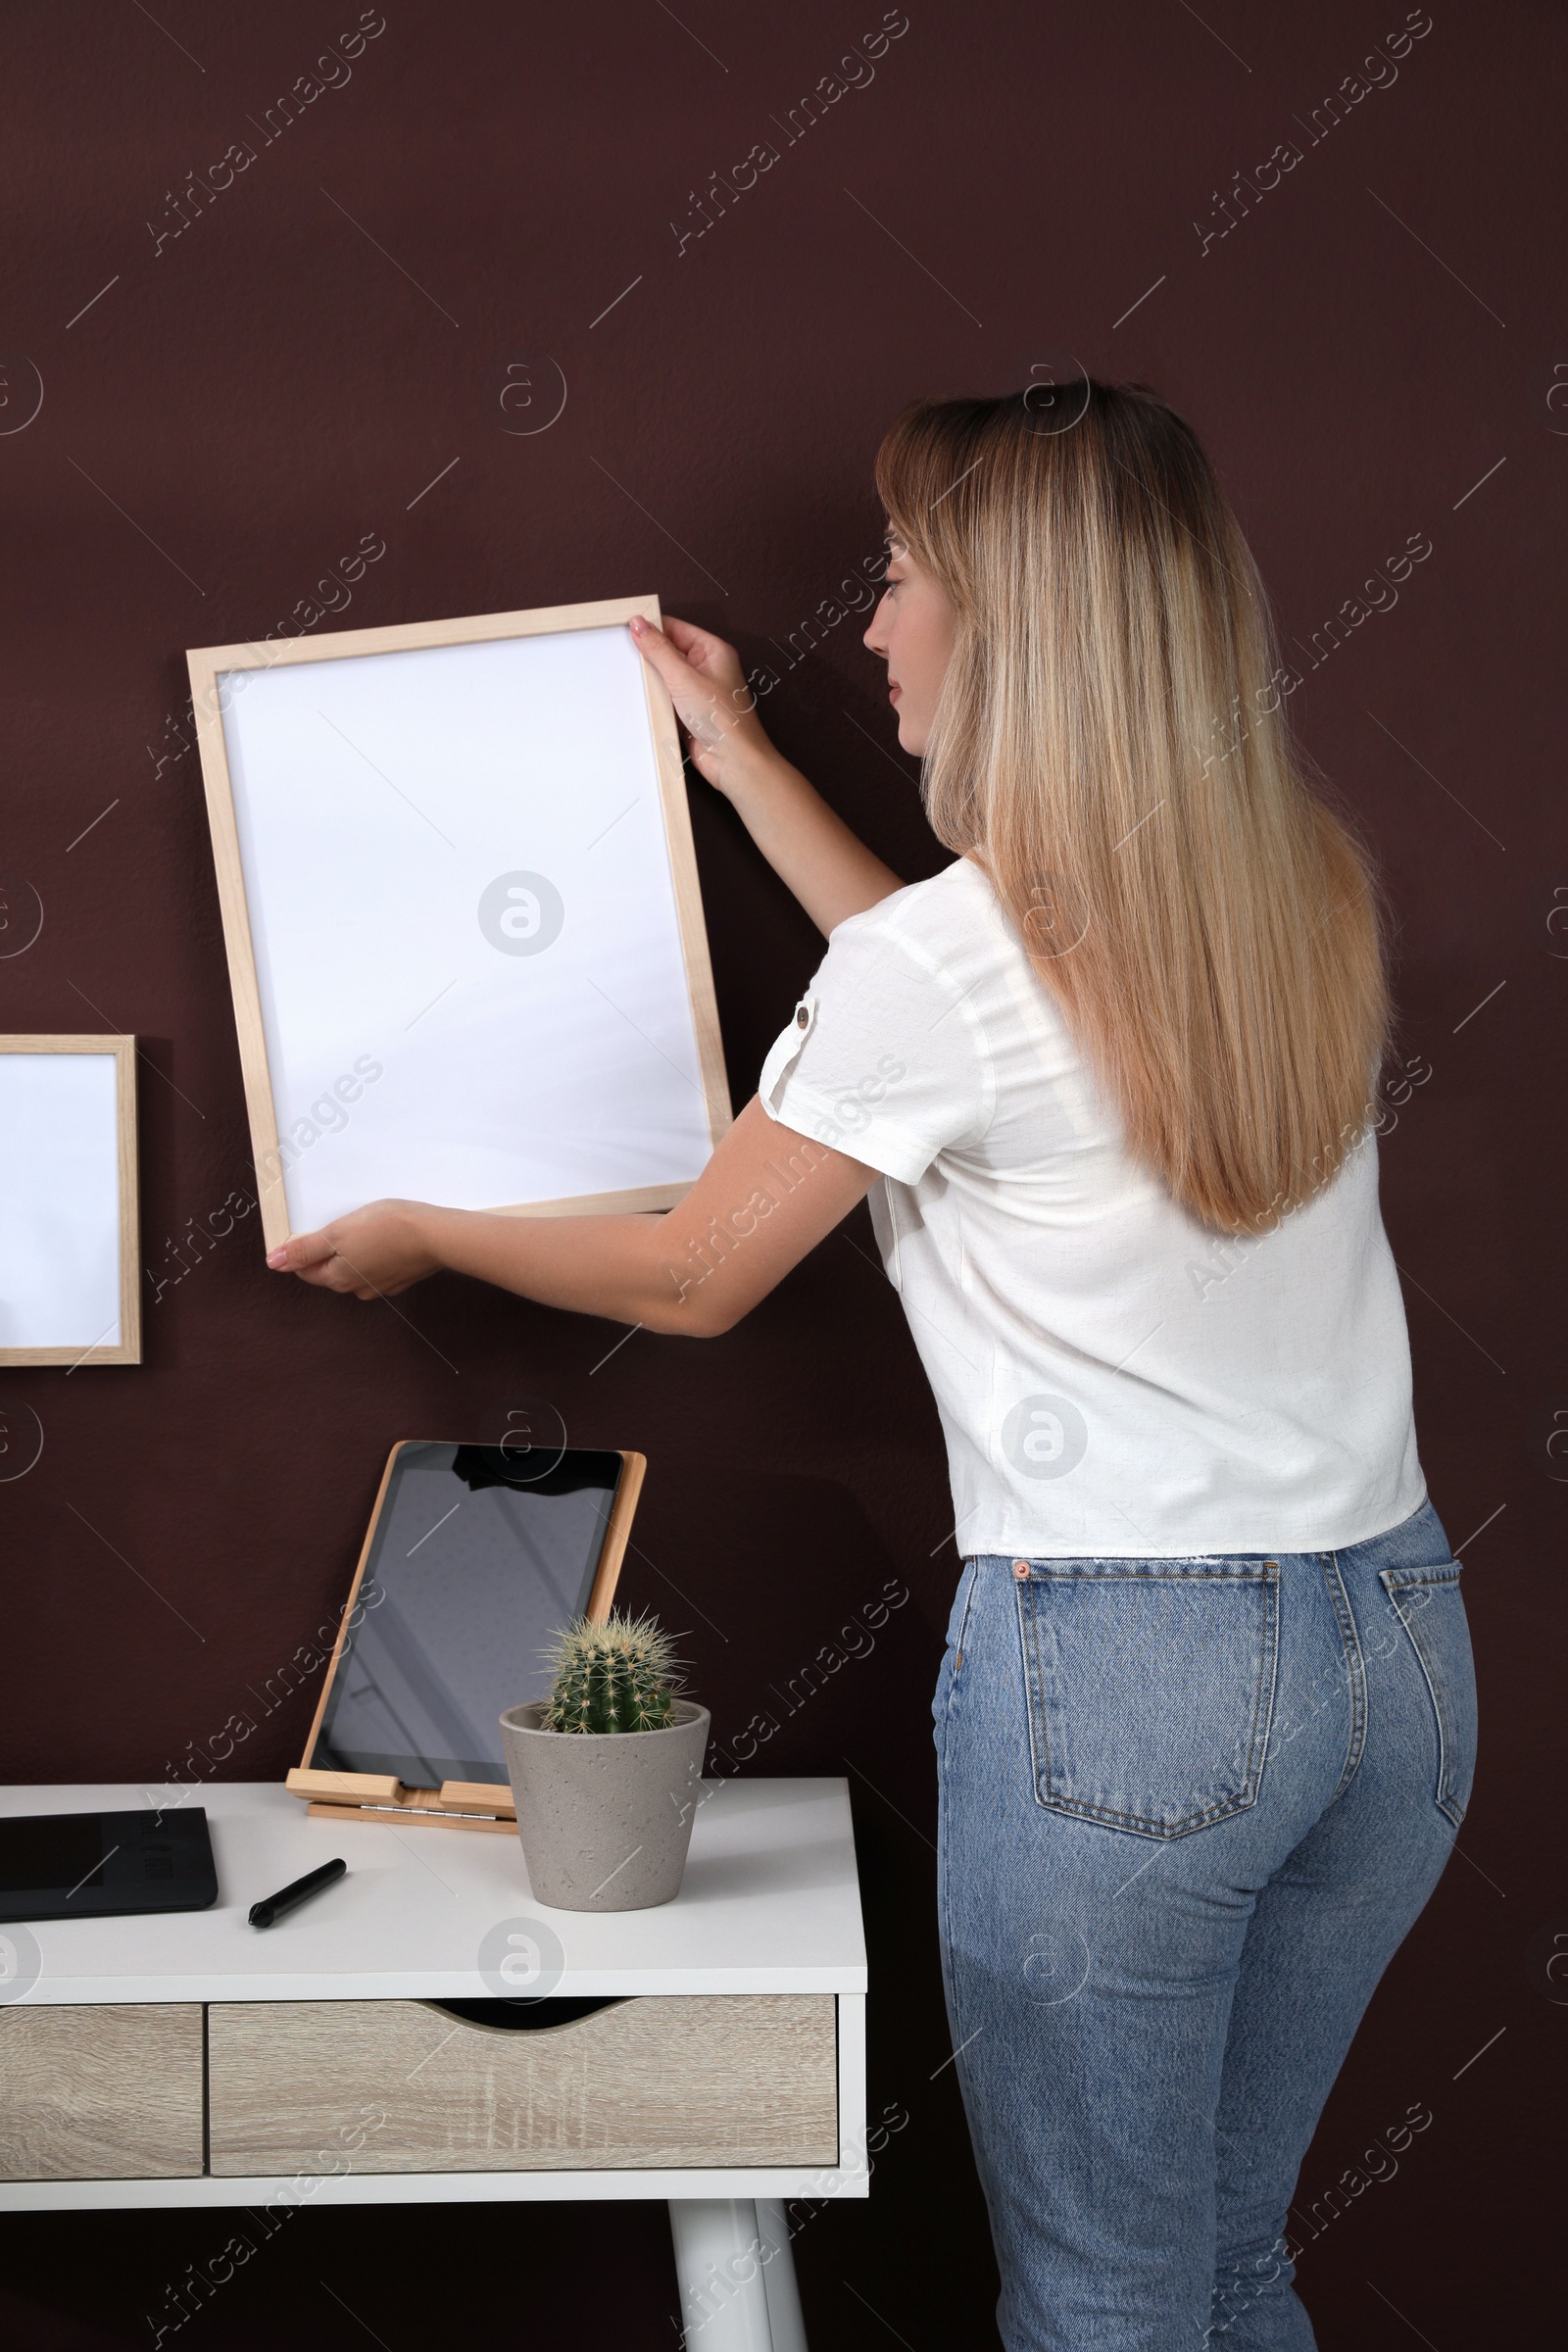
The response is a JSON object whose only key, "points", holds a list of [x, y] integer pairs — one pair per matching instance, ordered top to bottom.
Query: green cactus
{"points": [[620, 1676]]}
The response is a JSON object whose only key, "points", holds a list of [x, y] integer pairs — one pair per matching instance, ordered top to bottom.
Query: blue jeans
{"points": [[1188, 1810]]}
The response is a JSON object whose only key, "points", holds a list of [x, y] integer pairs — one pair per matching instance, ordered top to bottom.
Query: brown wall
{"points": [[1367, 344]]}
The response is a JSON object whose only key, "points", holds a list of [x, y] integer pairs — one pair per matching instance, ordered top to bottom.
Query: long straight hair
{"points": [[1110, 747]]}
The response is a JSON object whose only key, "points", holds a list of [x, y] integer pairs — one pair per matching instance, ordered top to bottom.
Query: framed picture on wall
{"points": [[462, 914], [69, 1285]]}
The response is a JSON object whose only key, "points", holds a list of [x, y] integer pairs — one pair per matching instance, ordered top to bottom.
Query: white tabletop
{"points": [[771, 1903]]}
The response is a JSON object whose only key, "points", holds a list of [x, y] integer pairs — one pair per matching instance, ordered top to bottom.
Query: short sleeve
{"points": [[883, 1057]]}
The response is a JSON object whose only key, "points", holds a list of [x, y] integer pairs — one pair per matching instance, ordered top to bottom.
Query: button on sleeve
{"points": [[881, 1058]]}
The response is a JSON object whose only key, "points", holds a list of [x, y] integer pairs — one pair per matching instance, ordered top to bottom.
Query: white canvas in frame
{"points": [[462, 914], [69, 1280]]}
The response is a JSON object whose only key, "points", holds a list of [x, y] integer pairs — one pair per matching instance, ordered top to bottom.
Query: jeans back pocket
{"points": [[1430, 1606], [1150, 1687]]}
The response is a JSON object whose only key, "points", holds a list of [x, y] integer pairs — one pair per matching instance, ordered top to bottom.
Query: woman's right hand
{"points": [[726, 741], [809, 846]]}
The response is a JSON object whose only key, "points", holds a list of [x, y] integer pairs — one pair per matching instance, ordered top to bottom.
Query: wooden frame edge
{"points": [[412, 636], [686, 887], [239, 947], [121, 1045], [125, 1122], [591, 1204], [617, 1534], [348, 1611]]}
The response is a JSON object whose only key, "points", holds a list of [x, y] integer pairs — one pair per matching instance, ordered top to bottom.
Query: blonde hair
{"points": [[1110, 747]]}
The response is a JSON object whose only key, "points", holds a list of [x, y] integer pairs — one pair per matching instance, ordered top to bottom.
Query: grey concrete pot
{"points": [[605, 1817]]}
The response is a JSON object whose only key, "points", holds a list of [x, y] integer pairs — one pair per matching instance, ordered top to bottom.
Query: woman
{"points": [[1206, 1722]]}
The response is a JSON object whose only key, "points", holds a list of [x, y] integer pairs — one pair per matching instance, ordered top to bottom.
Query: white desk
{"points": [[766, 1938]]}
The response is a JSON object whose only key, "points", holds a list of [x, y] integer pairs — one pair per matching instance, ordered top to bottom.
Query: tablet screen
{"points": [[477, 1559]]}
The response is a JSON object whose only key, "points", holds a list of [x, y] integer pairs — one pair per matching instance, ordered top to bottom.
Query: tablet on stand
{"points": [[474, 1557]]}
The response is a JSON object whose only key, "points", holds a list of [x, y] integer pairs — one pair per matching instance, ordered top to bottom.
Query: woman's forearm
{"points": [[810, 848], [767, 1195], [605, 1265]]}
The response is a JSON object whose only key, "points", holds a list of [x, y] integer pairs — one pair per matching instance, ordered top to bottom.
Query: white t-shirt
{"points": [[1113, 1378]]}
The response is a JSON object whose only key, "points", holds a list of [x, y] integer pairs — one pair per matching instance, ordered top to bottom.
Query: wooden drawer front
{"points": [[735, 2078], [110, 2092]]}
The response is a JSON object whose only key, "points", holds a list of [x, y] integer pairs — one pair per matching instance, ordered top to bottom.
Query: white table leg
{"points": [[737, 2276]]}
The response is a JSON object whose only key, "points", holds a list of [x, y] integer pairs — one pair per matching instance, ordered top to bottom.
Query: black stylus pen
{"points": [[300, 1891]]}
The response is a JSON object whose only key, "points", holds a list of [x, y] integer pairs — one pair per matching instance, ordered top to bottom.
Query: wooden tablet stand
{"points": [[374, 1796], [457, 1804]]}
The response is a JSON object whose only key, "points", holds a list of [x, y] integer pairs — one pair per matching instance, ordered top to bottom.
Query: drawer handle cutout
{"points": [[526, 2017]]}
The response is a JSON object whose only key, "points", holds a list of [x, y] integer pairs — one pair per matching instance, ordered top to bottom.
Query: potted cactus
{"points": [[605, 1771]]}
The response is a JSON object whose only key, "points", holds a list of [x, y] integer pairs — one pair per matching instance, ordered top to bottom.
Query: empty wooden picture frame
{"points": [[462, 914], [70, 1292]]}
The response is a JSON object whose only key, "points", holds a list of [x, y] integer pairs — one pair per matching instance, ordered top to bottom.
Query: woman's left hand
{"points": [[373, 1252]]}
